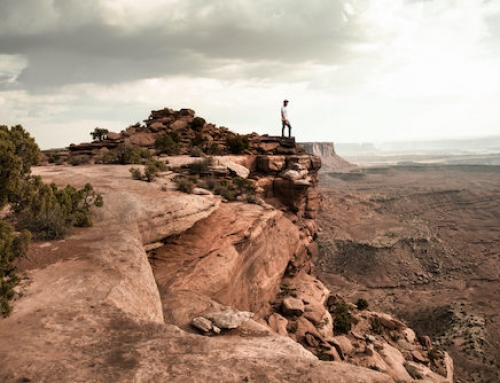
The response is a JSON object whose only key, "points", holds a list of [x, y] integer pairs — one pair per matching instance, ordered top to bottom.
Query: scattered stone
{"points": [[201, 191], [202, 324]]}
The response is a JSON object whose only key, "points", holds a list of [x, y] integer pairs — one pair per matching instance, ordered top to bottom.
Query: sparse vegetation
{"points": [[198, 124], [200, 140], [168, 143], [237, 143], [195, 151], [131, 154], [79, 160], [201, 166], [151, 170], [136, 174], [185, 184], [39, 210], [49, 212], [12, 246], [362, 304], [342, 318], [376, 325]]}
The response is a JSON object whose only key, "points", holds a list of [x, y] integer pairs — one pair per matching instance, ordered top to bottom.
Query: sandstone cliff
{"points": [[331, 162], [178, 287]]}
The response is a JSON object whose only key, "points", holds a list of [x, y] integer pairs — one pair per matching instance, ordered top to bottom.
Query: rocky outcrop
{"points": [[184, 131], [229, 292]]}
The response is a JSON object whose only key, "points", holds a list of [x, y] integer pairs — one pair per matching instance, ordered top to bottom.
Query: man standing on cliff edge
{"points": [[284, 120]]}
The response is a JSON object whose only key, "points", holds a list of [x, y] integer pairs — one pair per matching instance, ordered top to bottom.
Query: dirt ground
{"points": [[421, 242]]}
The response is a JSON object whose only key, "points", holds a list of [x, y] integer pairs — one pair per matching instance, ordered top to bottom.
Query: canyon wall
{"points": [[331, 162], [178, 287]]}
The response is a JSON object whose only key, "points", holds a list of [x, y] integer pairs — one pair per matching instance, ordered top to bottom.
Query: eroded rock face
{"points": [[331, 162], [237, 256], [236, 265], [94, 313]]}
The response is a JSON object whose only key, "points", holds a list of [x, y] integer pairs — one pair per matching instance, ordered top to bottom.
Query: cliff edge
{"points": [[177, 287]]}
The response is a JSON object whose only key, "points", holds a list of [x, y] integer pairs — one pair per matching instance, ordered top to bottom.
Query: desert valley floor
{"points": [[421, 242]]}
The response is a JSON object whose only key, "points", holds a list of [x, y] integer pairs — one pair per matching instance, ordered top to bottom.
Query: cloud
{"points": [[115, 41], [360, 63]]}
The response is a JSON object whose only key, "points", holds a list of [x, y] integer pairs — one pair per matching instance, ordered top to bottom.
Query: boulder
{"points": [[179, 124], [113, 136], [238, 170], [294, 175], [201, 191], [292, 306], [229, 319], [202, 324], [409, 335], [344, 344]]}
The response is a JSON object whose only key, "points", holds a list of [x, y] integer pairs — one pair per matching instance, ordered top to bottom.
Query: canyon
{"points": [[420, 241], [177, 287]]}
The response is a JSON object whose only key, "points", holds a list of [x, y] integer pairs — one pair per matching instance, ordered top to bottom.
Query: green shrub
{"points": [[198, 124], [99, 134], [200, 140], [168, 143], [237, 143], [214, 149], [195, 151], [18, 152], [131, 154], [107, 157], [79, 160], [201, 166], [150, 171], [136, 173], [209, 182], [185, 184], [244, 186], [45, 210], [48, 212], [12, 246], [362, 304], [342, 319], [376, 325]]}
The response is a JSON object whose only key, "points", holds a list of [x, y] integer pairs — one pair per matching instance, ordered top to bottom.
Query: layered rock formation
{"points": [[331, 161], [229, 292]]}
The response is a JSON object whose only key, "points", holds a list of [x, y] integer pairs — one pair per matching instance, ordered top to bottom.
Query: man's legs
{"points": [[286, 123]]}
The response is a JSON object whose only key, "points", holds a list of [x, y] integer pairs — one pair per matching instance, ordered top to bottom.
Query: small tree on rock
{"points": [[99, 134]]}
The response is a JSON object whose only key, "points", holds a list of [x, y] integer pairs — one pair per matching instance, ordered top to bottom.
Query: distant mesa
{"points": [[330, 161]]}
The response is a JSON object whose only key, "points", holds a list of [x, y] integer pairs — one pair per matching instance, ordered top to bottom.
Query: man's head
{"points": [[285, 102]]}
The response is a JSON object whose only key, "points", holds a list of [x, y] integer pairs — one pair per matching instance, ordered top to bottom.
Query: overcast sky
{"points": [[353, 70]]}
